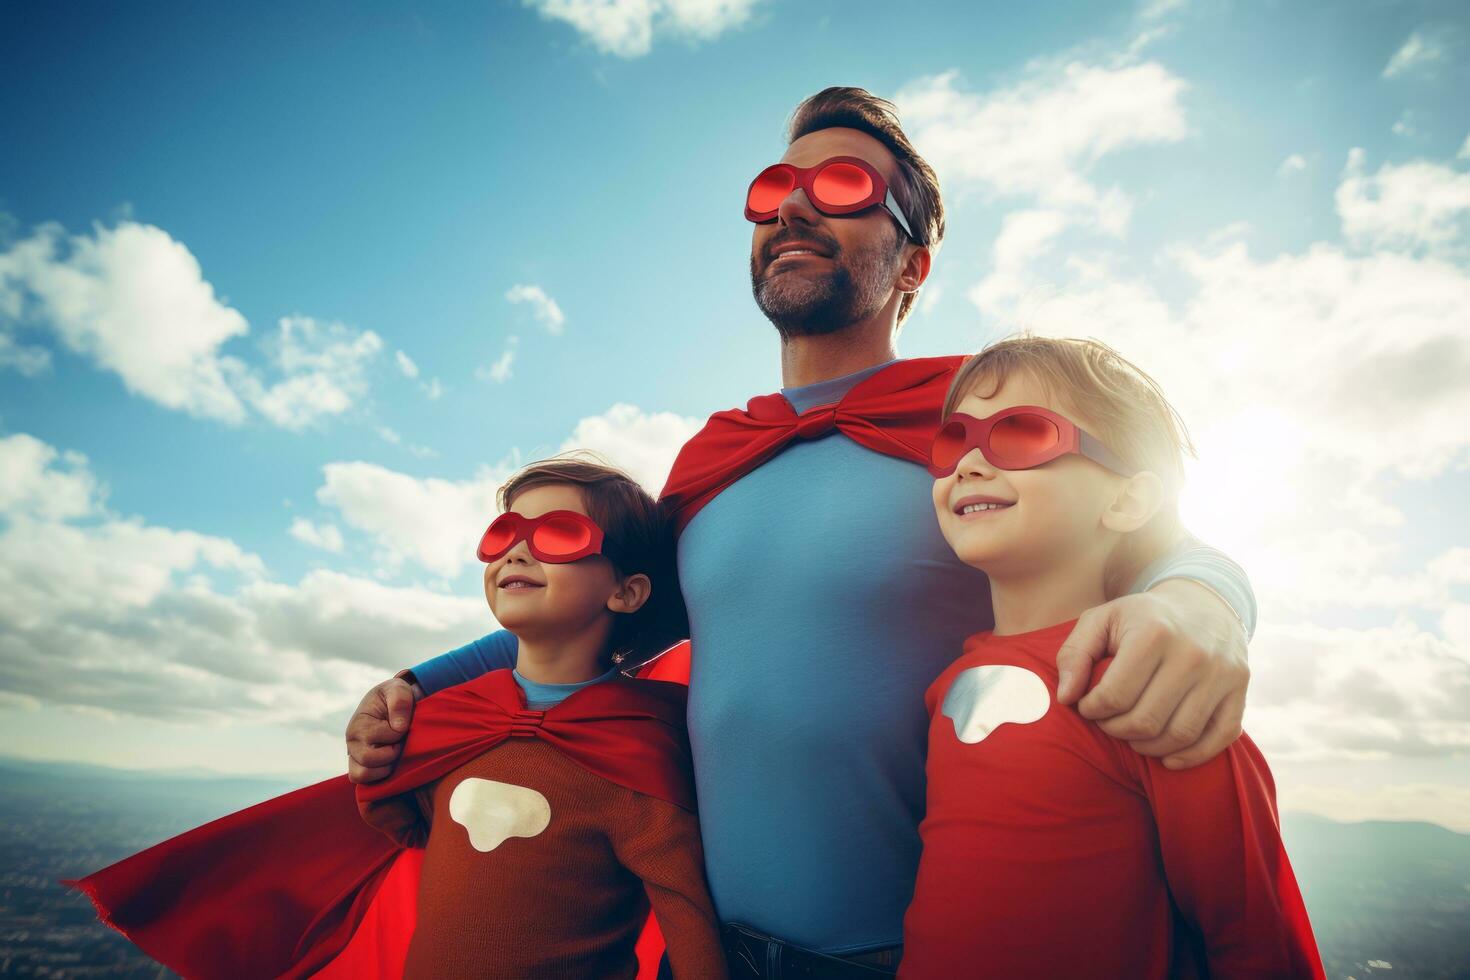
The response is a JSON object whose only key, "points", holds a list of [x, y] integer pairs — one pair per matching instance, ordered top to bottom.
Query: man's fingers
{"points": [[1084, 646], [1136, 659], [399, 699], [1184, 728], [368, 729], [1223, 729], [373, 756], [366, 774]]}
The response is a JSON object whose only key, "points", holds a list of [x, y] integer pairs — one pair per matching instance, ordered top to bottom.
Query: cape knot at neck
{"points": [[816, 423], [525, 723]]}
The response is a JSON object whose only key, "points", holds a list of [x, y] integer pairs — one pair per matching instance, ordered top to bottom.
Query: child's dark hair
{"points": [[637, 538]]}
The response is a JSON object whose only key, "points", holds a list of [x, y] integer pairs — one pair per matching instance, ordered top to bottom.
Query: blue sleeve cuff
{"points": [[1210, 568], [494, 651]]}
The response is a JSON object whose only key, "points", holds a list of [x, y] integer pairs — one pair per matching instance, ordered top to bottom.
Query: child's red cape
{"points": [[284, 888]]}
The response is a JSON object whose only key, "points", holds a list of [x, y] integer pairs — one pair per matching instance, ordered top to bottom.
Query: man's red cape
{"points": [[894, 412], [281, 889]]}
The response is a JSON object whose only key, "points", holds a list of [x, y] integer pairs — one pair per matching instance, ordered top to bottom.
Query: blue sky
{"points": [[257, 273]]}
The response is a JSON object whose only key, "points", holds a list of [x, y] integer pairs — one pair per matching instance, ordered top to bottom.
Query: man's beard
{"points": [[810, 304]]}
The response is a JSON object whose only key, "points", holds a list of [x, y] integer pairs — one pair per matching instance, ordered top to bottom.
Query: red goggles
{"points": [[838, 186], [1017, 438], [557, 537]]}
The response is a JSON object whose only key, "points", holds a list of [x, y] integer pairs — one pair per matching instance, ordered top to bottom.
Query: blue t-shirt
{"points": [[823, 601], [540, 697]]}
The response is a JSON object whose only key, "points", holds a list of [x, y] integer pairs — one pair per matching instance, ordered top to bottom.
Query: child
{"points": [[552, 803], [1049, 848], [539, 849]]}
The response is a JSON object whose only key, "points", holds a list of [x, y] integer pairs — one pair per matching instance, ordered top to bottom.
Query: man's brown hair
{"points": [[917, 187], [1119, 404], [637, 539]]}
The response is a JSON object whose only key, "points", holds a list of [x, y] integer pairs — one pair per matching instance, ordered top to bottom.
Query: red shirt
{"points": [[1052, 849]]}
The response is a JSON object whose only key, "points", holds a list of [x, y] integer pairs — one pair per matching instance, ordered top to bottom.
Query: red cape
{"points": [[894, 412], [280, 889]]}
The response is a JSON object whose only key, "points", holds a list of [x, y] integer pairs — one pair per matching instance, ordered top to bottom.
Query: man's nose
{"points": [[797, 207], [520, 553]]}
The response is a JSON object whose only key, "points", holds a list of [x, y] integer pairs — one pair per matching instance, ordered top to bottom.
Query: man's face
{"points": [[857, 258]]}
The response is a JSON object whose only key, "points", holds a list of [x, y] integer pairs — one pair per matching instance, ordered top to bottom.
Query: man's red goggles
{"points": [[837, 186], [1016, 438], [557, 537]]}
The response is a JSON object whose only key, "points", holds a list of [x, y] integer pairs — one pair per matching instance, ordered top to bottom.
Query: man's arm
{"points": [[493, 651], [1177, 687], [377, 728], [1225, 864]]}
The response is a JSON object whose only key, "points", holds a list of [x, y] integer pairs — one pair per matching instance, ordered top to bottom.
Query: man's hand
{"points": [[1177, 687], [376, 730]]}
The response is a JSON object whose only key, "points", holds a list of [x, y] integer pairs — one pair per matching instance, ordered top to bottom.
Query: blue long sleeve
{"points": [[1211, 568], [494, 651]]}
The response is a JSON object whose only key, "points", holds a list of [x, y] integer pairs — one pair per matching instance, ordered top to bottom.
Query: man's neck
{"points": [[806, 360], [1027, 602]]}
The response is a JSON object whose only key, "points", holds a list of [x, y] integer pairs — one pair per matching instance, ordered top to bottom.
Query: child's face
{"points": [[1048, 514], [545, 598]]}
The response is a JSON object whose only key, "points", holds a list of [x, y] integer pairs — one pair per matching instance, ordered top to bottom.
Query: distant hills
{"points": [[1386, 899]]}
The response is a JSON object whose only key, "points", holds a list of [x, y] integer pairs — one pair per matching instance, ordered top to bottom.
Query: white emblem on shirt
{"points": [[981, 699], [494, 812]]}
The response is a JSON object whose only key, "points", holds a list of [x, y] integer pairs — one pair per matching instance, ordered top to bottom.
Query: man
{"points": [[822, 598]]}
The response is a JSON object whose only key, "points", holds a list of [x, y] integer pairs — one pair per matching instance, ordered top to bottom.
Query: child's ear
{"points": [[1137, 501], [632, 593]]}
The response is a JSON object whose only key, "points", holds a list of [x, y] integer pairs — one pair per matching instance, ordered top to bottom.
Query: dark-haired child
{"points": [[536, 813]]}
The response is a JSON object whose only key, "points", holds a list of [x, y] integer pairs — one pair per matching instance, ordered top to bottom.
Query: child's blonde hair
{"points": [[1119, 404]]}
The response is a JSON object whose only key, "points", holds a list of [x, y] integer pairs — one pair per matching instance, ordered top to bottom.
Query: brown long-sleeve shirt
{"points": [[537, 868]]}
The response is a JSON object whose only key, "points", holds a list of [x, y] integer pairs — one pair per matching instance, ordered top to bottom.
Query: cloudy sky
{"points": [[284, 297]]}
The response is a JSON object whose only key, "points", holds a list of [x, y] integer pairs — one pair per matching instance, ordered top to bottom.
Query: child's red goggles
{"points": [[837, 186], [1017, 438], [557, 537]]}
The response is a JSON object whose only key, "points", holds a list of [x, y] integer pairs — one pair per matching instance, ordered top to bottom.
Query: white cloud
{"points": [[627, 28], [1419, 51], [1403, 125], [1041, 137], [1464, 153], [1291, 165], [1412, 205], [135, 301], [543, 307], [25, 359], [406, 364], [500, 370], [324, 372], [643, 444], [32, 485], [433, 523], [324, 536], [117, 616], [1319, 692]]}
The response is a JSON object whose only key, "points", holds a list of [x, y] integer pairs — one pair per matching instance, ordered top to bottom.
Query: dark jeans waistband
{"points": [[755, 956]]}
